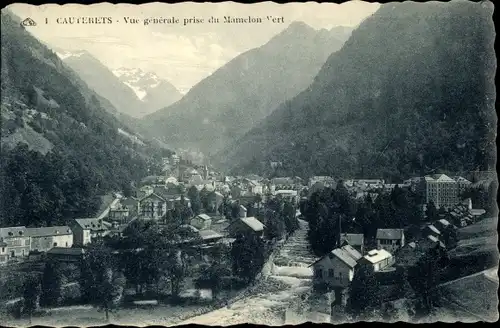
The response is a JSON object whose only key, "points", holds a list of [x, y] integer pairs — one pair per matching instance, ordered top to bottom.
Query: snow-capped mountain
{"points": [[152, 90], [131, 91]]}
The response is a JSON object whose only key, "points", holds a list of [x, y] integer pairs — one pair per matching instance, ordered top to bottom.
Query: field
{"points": [[477, 250], [470, 285], [475, 296]]}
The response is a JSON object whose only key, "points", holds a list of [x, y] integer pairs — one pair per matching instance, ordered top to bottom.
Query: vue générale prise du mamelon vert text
{"points": [[166, 20]]}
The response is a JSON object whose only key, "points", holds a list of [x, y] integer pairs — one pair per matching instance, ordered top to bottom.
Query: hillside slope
{"points": [[411, 91], [225, 105], [61, 147]]}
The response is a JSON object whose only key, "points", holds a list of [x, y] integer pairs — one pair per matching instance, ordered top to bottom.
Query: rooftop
{"points": [[438, 178], [204, 217], [444, 222], [253, 223], [93, 224], [434, 229], [12, 231], [48, 231], [209, 234], [391, 234], [353, 238], [66, 251], [347, 254], [377, 255]]}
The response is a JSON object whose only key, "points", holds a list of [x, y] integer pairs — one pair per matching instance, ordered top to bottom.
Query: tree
{"points": [[127, 189], [194, 195], [205, 197], [235, 210], [431, 212], [290, 218], [275, 226], [450, 237], [247, 256], [176, 271], [213, 273], [424, 278], [52, 282], [102, 283], [32, 292], [364, 294]]}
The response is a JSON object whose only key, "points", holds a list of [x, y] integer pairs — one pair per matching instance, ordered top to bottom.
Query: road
{"points": [[291, 276]]}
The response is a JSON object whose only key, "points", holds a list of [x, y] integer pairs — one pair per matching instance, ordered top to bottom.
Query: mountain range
{"points": [[131, 91], [153, 91], [411, 92], [226, 104]]}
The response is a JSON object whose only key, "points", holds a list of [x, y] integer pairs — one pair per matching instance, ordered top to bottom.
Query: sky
{"points": [[182, 54]]}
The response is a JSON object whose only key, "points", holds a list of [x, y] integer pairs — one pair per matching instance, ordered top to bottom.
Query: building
{"points": [[325, 180], [444, 191], [289, 195], [215, 200], [132, 204], [152, 206], [119, 214], [201, 221], [247, 225], [443, 225], [86, 230], [431, 230], [209, 236], [45, 238], [390, 239], [356, 240], [17, 241], [435, 241], [63, 254], [4, 255], [377, 259], [336, 269]]}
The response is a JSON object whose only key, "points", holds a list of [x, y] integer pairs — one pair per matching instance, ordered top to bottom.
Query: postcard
{"points": [[229, 163]]}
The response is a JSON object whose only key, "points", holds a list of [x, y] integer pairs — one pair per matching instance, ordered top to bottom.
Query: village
{"points": [[211, 218]]}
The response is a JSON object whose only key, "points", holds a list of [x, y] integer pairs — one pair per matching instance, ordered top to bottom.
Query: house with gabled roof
{"points": [[152, 206], [201, 221], [246, 225], [86, 230], [390, 239], [356, 240], [16, 241], [336, 269]]}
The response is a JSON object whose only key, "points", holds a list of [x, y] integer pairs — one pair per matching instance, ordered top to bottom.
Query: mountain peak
{"points": [[298, 27]]}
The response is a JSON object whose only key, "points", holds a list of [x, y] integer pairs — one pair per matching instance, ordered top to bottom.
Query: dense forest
{"points": [[411, 92], [87, 156]]}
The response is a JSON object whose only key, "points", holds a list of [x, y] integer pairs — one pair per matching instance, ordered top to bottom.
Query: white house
{"points": [[44, 238], [377, 259], [336, 269]]}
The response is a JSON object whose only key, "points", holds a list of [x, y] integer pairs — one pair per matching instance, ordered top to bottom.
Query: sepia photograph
{"points": [[268, 164]]}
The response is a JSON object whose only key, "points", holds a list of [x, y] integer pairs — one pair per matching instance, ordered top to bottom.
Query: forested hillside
{"points": [[411, 91], [61, 148]]}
